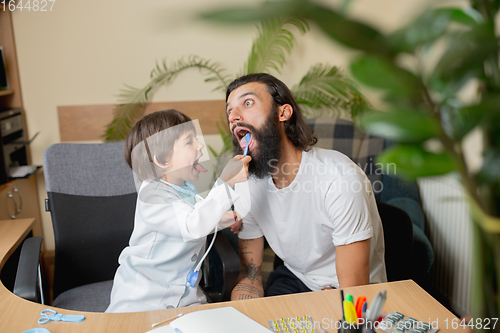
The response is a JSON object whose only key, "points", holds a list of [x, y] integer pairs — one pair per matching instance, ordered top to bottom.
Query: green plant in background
{"points": [[323, 89], [423, 105]]}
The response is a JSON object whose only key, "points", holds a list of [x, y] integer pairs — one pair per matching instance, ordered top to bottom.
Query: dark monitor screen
{"points": [[4, 83]]}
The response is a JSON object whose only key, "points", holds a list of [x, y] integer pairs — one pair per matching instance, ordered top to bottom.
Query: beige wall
{"points": [[83, 52]]}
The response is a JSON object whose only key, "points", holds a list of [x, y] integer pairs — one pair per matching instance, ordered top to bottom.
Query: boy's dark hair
{"points": [[296, 128], [160, 146]]}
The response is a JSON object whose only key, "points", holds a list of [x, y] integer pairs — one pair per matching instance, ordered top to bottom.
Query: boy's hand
{"points": [[236, 170], [231, 219], [236, 227]]}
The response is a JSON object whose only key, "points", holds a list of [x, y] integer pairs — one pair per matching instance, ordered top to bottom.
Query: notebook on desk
{"points": [[221, 320]]}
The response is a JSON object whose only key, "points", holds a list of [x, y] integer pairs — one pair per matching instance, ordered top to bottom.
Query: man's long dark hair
{"points": [[296, 128]]}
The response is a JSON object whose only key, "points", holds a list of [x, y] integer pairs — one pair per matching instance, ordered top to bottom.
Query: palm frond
{"points": [[273, 43], [324, 90], [132, 101]]}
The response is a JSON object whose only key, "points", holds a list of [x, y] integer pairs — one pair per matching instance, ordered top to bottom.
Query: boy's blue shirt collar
{"points": [[188, 189]]}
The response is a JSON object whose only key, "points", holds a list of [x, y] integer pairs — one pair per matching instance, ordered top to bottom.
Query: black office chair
{"points": [[92, 199], [398, 239], [28, 282]]}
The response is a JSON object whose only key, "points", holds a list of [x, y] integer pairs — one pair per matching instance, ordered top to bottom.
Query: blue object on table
{"points": [[247, 139], [48, 315], [37, 330]]}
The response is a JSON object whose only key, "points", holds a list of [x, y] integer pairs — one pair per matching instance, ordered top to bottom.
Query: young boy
{"points": [[158, 269]]}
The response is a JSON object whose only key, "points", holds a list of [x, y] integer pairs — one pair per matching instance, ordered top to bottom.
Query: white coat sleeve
{"points": [[164, 212]]}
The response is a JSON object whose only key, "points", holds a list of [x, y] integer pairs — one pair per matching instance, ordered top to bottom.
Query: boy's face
{"points": [[183, 165]]}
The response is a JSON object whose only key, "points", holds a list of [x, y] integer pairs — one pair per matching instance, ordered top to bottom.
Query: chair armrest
{"points": [[230, 265], [27, 277]]}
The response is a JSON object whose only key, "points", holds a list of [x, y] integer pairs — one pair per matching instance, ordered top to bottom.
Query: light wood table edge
{"points": [[13, 231], [18, 315]]}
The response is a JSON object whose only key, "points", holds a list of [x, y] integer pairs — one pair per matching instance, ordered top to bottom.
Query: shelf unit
{"points": [[6, 92], [19, 197]]}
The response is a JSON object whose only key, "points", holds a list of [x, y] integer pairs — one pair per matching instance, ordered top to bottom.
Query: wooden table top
{"points": [[18, 315]]}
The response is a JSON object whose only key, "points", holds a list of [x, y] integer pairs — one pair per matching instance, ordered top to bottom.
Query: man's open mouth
{"points": [[240, 133]]}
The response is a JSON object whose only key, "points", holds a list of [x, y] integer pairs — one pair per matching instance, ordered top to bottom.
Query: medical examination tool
{"points": [[247, 139], [193, 274], [192, 277]]}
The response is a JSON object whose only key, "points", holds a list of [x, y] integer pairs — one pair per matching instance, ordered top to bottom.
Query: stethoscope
{"points": [[192, 276]]}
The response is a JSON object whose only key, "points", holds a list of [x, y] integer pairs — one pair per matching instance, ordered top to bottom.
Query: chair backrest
{"points": [[344, 136], [92, 198], [398, 240]]}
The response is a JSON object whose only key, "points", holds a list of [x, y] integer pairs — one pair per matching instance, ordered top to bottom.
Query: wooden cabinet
{"points": [[18, 197]]}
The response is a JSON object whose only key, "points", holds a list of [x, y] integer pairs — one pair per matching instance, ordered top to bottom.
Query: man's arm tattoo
{"points": [[243, 248], [251, 271], [248, 291]]}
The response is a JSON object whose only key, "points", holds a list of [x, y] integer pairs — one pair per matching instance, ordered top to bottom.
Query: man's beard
{"points": [[268, 153]]}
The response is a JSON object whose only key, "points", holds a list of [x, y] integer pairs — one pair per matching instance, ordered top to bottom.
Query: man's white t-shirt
{"points": [[329, 203]]}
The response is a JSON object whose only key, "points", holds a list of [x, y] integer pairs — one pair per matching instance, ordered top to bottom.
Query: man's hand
{"points": [[231, 219], [353, 264], [249, 283]]}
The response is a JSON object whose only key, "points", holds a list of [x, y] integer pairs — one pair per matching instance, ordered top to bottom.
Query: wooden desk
{"points": [[18, 315]]}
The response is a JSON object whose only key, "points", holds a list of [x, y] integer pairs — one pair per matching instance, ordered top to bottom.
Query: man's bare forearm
{"points": [[250, 279], [249, 282], [247, 290]]}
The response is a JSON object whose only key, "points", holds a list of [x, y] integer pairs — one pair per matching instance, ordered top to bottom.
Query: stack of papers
{"points": [[22, 171], [222, 320]]}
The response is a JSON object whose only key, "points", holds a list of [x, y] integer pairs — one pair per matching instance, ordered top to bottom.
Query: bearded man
{"points": [[315, 207]]}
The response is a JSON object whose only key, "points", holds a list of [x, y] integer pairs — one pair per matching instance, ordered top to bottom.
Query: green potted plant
{"points": [[423, 104]]}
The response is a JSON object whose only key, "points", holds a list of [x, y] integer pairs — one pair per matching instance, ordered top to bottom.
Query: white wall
{"points": [[83, 52]]}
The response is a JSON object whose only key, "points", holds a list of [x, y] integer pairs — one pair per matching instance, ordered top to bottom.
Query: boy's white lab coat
{"points": [[167, 242]]}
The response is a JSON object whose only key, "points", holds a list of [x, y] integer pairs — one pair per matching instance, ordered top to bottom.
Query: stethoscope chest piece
{"points": [[192, 278]]}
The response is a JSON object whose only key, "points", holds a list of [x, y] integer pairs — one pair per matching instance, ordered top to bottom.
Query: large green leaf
{"points": [[249, 14], [467, 15], [431, 25], [351, 33], [465, 57], [383, 74], [488, 106], [455, 121], [458, 121], [401, 125], [412, 161], [490, 171]]}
